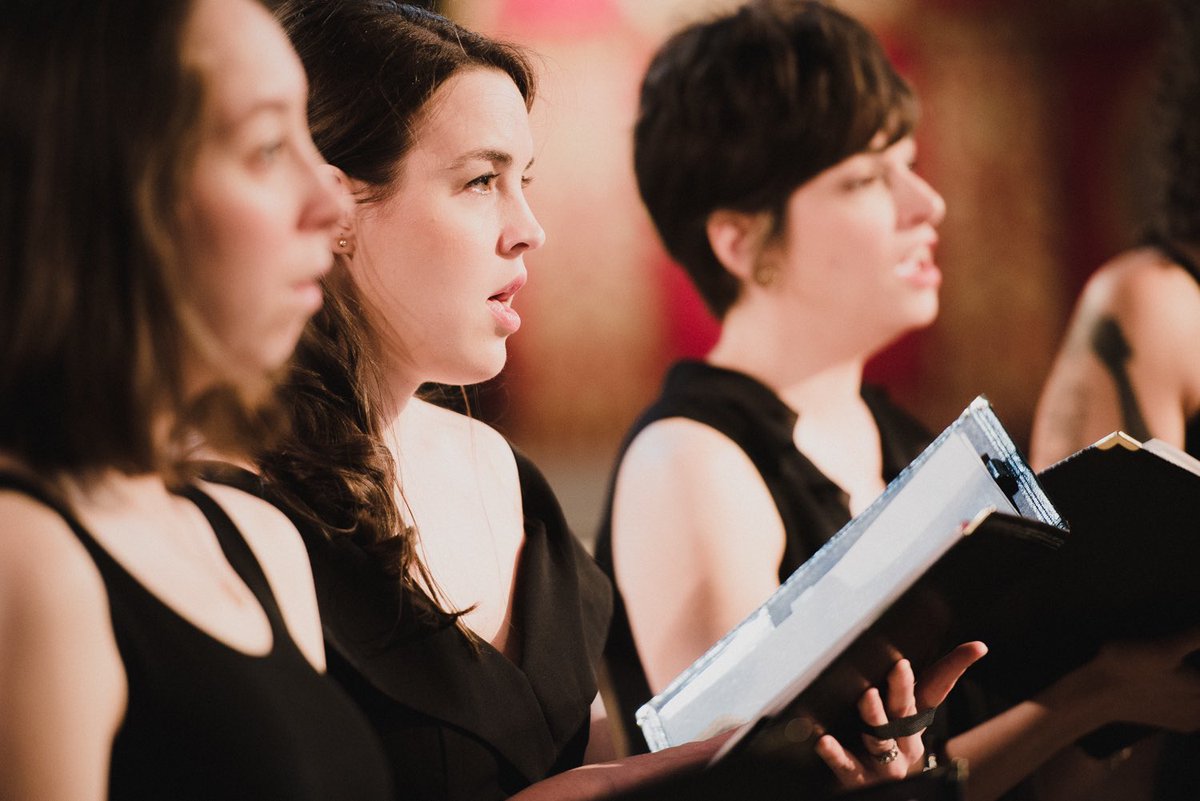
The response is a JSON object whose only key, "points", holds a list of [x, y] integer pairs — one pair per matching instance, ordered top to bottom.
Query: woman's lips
{"points": [[920, 272], [501, 306], [508, 320]]}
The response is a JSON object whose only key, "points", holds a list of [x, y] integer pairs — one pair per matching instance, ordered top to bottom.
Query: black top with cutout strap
{"points": [[813, 508], [207, 721], [462, 722]]}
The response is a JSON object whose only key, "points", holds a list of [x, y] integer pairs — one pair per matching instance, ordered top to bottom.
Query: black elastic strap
{"points": [[903, 727]]}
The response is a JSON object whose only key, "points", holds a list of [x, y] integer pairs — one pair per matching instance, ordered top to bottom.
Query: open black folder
{"points": [[947, 535], [1130, 569], [1042, 599]]}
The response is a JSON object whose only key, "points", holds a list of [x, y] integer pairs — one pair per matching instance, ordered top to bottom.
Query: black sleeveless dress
{"points": [[813, 508], [459, 720], [206, 721]]}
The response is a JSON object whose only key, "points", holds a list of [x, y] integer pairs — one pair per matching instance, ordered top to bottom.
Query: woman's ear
{"points": [[343, 233], [737, 239]]}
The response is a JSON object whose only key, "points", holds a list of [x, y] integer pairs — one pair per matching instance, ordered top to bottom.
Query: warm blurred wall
{"points": [[1036, 120], [1035, 127]]}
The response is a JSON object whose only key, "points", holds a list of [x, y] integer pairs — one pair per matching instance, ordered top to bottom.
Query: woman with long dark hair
{"points": [[164, 224], [459, 610]]}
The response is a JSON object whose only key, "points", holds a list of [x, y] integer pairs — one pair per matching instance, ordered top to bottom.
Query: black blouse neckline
{"points": [[745, 391], [434, 670]]}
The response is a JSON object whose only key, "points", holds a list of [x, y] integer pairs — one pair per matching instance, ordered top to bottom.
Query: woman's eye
{"points": [[267, 153], [526, 180], [861, 181], [484, 182]]}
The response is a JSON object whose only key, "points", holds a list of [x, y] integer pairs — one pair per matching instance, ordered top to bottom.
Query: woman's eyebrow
{"points": [[496, 157], [499, 158]]}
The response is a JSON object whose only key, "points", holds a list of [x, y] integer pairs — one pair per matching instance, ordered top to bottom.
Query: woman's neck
{"points": [[806, 369], [398, 391], [412, 434], [104, 486], [111, 494]]}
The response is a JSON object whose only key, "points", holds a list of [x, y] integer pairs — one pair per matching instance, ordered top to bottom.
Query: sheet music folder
{"points": [[966, 515], [1129, 570]]}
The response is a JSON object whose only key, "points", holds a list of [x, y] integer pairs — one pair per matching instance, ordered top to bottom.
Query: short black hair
{"points": [[738, 111]]}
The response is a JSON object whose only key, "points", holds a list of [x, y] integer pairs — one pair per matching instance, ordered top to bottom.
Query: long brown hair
{"points": [[373, 65], [96, 144]]}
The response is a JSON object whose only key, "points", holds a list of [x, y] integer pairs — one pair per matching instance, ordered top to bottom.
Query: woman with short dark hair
{"points": [[774, 151]]}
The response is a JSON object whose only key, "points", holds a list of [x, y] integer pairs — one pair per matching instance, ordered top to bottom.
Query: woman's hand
{"points": [[1132, 682], [1148, 682], [895, 758], [605, 779]]}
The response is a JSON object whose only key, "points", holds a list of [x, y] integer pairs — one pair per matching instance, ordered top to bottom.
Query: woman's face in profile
{"points": [[258, 209], [859, 239], [440, 259]]}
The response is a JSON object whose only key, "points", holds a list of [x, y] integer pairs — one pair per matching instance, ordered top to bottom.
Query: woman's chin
{"points": [[922, 311], [929, 317], [476, 371]]}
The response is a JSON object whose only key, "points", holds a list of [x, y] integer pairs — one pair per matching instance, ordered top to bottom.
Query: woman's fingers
{"points": [[937, 682], [1150, 682], [901, 701], [870, 708], [884, 755], [893, 758], [846, 767]]}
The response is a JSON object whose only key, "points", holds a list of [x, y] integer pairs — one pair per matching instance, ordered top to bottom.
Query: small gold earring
{"points": [[343, 243], [765, 274]]}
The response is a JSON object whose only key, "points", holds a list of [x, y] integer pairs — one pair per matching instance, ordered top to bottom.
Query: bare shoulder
{"points": [[1150, 296], [1152, 305], [1131, 358], [462, 428], [453, 438], [689, 454], [683, 470], [262, 518], [697, 541], [280, 551], [41, 556], [61, 677]]}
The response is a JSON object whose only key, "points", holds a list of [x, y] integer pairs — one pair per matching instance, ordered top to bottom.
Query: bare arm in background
{"points": [[1130, 359]]}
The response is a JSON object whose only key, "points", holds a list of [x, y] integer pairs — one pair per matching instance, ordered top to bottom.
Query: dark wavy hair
{"points": [[373, 66], [738, 111], [96, 144], [1178, 206]]}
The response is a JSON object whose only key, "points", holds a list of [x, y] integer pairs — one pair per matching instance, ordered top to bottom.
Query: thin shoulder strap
{"points": [[17, 483], [236, 550], [101, 557]]}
